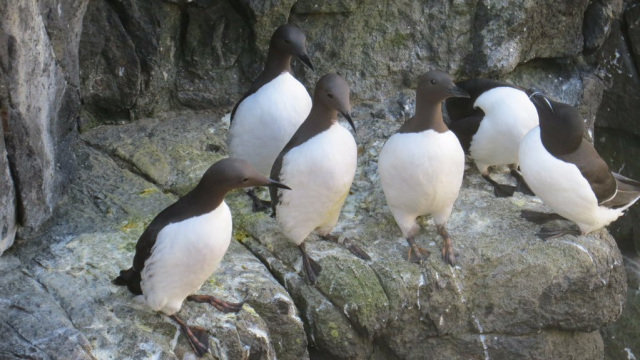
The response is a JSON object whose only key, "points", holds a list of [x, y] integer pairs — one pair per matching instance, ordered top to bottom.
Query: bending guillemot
{"points": [[266, 117], [490, 125], [319, 163], [421, 166], [568, 174], [185, 243]]}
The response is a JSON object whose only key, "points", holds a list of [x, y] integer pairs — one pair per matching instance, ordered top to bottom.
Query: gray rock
{"points": [[632, 18], [598, 19], [621, 100], [39, 104], [8, 215], [93, 236], [392, 307], [622, 338]]}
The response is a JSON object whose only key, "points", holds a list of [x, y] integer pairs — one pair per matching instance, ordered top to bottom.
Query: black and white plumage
{"points": [[268, 114], [490, 125], [319, 162], [421, 166], [568, 174], [185, 243]]}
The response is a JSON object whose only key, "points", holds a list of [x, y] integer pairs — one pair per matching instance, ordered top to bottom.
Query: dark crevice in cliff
{"points": [[624, 29], [145, 68]]}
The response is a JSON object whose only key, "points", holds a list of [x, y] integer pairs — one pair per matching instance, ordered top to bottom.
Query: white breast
{"points": [[509, 115], [266, 120], [320, 173], [421, 173], [561, 186], [184, 256]]}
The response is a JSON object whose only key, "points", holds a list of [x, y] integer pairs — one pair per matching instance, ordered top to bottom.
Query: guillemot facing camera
{"points": [[266, 117], [490, 125], [319, 163], [421, 166], [566, 172], [185, 243]]}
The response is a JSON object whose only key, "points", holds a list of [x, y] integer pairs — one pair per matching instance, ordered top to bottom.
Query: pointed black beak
{"points": [[305, 59], [457, 91], [348, 117], [278, 184]]}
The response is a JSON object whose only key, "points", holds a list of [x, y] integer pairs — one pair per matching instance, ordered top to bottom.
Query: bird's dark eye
{"points": [[286, 41], [433, 81], [330, 96], [245, 179]]}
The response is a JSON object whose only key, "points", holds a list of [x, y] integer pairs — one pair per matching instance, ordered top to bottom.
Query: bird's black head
{"points": [[290, 40], [436, 86], [332, 91], [561, 125], [231, 173]]}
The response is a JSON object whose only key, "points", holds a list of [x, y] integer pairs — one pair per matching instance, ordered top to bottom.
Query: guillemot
{"points": [[265, 118], [319, 163], [421, 166], [185, 243]]}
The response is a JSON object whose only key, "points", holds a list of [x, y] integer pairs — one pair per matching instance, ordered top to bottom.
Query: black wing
{"points": [[465, 129], [594, 169], [173, 213]]}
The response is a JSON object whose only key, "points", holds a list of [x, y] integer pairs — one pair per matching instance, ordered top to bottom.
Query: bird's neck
{"points": [[277, 62], [428, 117], [204, 200]]}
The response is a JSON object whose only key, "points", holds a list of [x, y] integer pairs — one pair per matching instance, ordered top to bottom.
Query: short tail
{"points": [[627, 194], [129, 278]]}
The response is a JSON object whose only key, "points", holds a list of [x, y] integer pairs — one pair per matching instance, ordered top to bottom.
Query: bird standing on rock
{"points": [[266, 117], [490, 125], [319, 163], [421, 166], [568, 174], [185, 243]]}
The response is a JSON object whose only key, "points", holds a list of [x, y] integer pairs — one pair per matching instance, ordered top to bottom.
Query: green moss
{"points": [[335, 333]]}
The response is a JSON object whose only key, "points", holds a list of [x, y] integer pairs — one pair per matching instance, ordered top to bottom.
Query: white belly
{"points": [[509, 115], [266, 120], [320, 173], [421, 173], [561, 186], [184, 256]]}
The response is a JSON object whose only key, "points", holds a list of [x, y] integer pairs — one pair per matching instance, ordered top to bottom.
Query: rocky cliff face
{"points": [[98, 67], [39, 105]]}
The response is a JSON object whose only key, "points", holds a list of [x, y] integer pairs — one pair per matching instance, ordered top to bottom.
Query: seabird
{"points": [[266, 117], [490, 125], [319, 163], [421, 166], [567, 173], [185, 243]]}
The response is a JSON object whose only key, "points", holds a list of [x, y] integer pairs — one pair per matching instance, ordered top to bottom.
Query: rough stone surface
{"points": [[598, 19], [208, 52], [39, 100], [8, 215], [92, 236], [511, 296], [622, 337]]}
